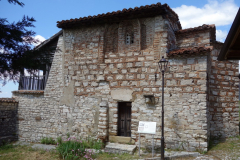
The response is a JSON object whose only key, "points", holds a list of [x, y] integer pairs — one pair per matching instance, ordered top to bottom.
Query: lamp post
{"points": [[162, 66]]}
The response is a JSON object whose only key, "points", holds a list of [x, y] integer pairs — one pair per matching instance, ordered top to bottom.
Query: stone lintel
{"points": [[122, 94]]}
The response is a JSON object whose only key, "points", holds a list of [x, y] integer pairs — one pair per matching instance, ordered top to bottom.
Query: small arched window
{"points": [[128, 38]]}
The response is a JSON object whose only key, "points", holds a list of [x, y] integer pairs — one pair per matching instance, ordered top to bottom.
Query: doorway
{"points": [[124, 119]]}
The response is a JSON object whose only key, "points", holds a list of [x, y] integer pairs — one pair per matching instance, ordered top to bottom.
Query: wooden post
{"points": [[139, 139]]}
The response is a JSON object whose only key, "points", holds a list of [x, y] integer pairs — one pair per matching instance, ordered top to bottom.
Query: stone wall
{"points": [[188, 40], [132, 71], [223, 93], [186, 103], [56, 111], [40, 112], [8, 120]]}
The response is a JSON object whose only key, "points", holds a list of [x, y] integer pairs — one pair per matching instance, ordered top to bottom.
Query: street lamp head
{"points": [[163, 64]]}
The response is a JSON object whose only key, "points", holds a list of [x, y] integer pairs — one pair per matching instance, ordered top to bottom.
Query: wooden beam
{"points": [[233, 51]]}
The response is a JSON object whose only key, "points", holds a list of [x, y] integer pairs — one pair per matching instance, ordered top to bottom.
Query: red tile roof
{"points": [[137, 12], [199, 28], [189, 51], [8, 100]]}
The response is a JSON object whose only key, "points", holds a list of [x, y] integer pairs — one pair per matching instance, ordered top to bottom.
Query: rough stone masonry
{"points": [[107, 64], [8, 120]]}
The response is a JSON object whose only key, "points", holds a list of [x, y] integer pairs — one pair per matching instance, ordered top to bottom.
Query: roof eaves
{"points": [[153, 9], [196, 29], [230, 37], [49, 40], [189, 51]]}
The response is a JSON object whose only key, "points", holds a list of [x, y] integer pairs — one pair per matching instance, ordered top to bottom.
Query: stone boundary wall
{"points": [[8, 120]]}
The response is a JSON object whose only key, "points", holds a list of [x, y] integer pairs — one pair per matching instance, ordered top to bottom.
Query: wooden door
{"points": [[124, 119]]}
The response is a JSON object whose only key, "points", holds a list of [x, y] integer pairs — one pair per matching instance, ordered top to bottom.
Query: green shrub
{"points": [[68, 135], [43, 140], [46, 140], [59, 140], [51, 141], [73, 148]]}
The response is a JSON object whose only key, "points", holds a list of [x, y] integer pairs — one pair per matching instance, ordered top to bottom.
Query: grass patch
{"points": [[6, 147], [69, 148], [73, 148], [229, 148], [17, 152], [110, 156]]}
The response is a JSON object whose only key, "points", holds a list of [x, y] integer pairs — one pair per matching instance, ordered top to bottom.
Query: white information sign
{"points": [[147, 127]]}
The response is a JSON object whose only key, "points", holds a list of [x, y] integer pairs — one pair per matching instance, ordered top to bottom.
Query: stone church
{"points": [[104, 79]]}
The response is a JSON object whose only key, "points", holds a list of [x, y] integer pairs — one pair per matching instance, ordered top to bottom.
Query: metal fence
{"points": [[32, 82]]}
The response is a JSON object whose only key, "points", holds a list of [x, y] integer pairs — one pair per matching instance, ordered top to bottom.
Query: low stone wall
{"points": [[32, 115], [8, 120]]}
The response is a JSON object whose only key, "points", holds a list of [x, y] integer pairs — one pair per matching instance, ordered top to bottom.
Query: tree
{"points": [[16, 43]]}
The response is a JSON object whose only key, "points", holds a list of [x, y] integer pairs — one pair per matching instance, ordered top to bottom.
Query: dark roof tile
{"points": [[154, 9], [199, 28], [49, 40], [189, 51]]}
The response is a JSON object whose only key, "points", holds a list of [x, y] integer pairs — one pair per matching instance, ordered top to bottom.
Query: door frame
{"points": [[126, 110]]}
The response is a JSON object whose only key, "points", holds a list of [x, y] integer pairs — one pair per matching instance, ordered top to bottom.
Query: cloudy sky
{"points": [[192, 13]]}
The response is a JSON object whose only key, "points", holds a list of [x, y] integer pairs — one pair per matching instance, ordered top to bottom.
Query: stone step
{"points": [[44, 146], [120, 148]]}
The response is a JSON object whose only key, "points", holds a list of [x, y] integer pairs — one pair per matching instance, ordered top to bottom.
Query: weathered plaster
{"points": [[68, 95]]}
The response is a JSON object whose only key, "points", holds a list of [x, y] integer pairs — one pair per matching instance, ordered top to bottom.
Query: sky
{"points": [[192, 13]]}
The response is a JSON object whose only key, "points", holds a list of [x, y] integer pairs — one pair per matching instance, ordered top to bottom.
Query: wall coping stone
{"points": [[28, 92], [12, 100]]}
